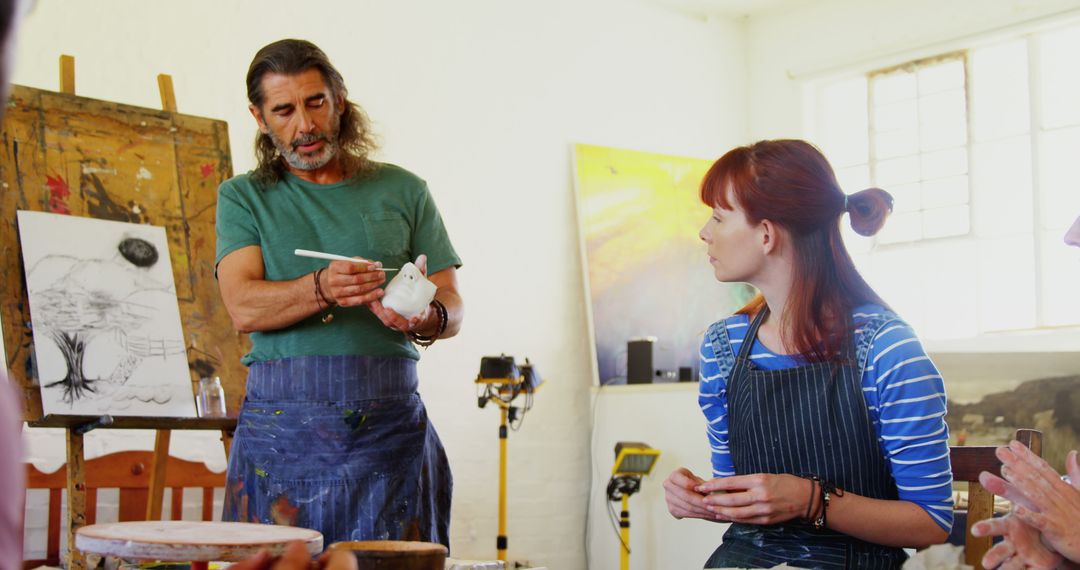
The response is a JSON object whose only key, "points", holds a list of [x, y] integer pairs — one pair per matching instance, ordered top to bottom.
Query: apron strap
{"points": [[751, 334]]}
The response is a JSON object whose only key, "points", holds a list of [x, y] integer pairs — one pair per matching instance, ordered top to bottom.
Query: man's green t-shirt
{"points": [[388, 216]]}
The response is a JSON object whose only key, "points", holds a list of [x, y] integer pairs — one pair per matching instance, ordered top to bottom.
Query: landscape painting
{"points": [[1050, 405]]}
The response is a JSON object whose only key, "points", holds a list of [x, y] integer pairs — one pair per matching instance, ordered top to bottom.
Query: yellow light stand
{"points": [[501, 381], [633, 460]]}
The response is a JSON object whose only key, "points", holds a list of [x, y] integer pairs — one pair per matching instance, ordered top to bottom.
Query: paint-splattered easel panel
{"points": [[65, 154]]}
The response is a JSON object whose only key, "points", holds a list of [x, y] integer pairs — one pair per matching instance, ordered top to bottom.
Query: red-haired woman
{"points": [[825, 416]]}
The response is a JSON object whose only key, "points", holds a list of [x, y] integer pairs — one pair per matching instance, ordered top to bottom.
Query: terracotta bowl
{"points": [[395, 554]]}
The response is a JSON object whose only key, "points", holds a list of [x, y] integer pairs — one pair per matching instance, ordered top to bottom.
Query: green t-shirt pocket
{"points": [[388, 234]]}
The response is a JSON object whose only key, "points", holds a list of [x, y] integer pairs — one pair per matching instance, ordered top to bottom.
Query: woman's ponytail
{"points": [[868, 210]]}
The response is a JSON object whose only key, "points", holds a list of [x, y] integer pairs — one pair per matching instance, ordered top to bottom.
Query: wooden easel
{"points": [[77, 426]]}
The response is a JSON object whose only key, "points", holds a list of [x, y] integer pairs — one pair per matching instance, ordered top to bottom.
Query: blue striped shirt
{"points": [[905, 396]]}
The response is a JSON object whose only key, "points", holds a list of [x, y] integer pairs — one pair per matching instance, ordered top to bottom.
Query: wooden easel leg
{"points": [[67, 74], [161, 440], [157, 475], [76, 477], [76, 496]]}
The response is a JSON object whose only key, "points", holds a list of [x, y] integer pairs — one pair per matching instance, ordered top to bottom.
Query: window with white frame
{"points": [[918, 129], [979, 148]]}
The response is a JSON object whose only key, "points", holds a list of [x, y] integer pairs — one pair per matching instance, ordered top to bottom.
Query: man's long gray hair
{"points": [[292, 57]]}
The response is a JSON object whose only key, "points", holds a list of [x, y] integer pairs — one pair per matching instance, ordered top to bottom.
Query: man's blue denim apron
{"points": [[808, 420], [342, 445]]}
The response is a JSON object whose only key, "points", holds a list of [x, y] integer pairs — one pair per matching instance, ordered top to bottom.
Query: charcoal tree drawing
{"points": [[105, 317]]}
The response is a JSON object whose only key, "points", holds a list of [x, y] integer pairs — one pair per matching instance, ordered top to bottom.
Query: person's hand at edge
{"points": [[1043, 500], [1021, 546]]}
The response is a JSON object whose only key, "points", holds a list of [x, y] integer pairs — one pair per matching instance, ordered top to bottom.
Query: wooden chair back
{"points": [[967, 463], [128, 471]]}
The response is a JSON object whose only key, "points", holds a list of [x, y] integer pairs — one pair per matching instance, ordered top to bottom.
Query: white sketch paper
{"points": [[106, 323]]}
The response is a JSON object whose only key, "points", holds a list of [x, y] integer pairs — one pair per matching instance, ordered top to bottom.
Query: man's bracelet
{"points": [[320, 296], [428, 340]]}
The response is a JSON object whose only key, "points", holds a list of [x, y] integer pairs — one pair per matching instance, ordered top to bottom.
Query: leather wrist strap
{"points": [[320, 297], [428, 340]]}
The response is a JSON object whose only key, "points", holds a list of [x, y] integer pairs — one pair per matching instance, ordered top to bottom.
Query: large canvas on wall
{"points": [[648, 271], [106, 322]]}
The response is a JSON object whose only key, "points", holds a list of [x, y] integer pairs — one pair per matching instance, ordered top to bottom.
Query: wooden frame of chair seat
{"points": [[967, 463], [128, 471]]}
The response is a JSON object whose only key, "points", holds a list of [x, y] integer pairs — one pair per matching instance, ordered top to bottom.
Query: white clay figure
{"points": [[409, 292]]}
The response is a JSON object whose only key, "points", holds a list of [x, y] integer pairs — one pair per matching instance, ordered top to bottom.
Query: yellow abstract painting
{"points": [[648, 271]]}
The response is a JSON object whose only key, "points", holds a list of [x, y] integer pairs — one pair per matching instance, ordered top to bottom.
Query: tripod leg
{"points": [[500, 540]]}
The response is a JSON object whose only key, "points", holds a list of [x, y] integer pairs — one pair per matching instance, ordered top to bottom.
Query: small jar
{"points": [[211, 398]]}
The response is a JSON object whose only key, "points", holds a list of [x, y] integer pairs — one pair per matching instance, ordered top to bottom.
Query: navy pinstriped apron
{"points": [[807, 420], [342, 445]]}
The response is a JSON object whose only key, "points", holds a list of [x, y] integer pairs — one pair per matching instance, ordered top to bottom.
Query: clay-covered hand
{"points": [[761, 498], [1043, 500], [683, 501], [1021, 546]]}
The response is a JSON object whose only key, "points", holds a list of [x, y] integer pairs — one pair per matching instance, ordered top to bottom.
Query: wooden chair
{"points": [[967, 463], [128, 471]]}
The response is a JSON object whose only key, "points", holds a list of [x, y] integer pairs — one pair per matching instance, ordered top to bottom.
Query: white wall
{"points": [[483, 99]]}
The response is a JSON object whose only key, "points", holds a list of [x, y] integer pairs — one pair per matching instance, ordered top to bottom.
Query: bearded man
{"points": [[332, 434]]}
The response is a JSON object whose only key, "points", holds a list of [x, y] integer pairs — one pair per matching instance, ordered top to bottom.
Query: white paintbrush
{"points": [[335, 257]]}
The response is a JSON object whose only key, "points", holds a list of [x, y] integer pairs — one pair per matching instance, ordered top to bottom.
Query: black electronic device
{"points": [[639, 360], [502, 366]]}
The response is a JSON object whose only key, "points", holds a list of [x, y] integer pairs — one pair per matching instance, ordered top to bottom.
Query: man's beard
{"points": [[316, 160]]}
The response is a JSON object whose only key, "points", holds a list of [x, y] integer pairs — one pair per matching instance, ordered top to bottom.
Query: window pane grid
{"points": [[919, 147], [977, 147]]}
